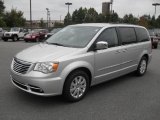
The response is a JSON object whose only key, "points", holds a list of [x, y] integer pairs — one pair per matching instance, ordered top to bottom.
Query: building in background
{"points": [[105, 8]]}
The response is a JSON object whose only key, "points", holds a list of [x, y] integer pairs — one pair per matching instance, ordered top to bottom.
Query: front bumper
{"points": [[7, 37], [30, 39], [42, 86]]}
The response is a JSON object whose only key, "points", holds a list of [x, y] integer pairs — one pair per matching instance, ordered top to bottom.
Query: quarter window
{"points": [[142, 34], [128, 35], [110, 36]]}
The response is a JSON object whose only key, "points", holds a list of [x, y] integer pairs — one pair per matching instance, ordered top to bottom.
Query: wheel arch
{"points": [[81, 65]]}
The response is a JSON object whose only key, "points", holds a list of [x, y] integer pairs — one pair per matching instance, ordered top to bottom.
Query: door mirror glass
{"points": [[101, 45]]}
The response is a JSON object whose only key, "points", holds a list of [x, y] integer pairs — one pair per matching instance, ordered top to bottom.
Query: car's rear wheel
{"points": [[156, 46], [142, 67], [76, 86]]}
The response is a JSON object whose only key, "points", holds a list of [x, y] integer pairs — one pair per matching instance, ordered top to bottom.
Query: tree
{"points": [[2, 7], [79, 16], [91, 16], [14, 18], [101, 18], [114, 18], [68, 19], [130, 19], [144, 21], [158, 22], [153, 23]]}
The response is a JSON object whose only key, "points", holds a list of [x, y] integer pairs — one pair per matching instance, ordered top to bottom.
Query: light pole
{"points": [[68, 4], [155, 4], [111, 6], [31, 14], [47, 16]]}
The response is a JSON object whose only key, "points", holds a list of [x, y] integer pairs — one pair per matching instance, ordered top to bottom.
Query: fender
{"points": [[145, 52], [75, 65]]}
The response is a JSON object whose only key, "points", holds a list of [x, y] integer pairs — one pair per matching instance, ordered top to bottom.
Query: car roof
{"points": [[106, 25]]}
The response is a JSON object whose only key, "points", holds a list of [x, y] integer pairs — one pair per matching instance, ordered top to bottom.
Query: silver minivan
{"points": [[80, 56]]}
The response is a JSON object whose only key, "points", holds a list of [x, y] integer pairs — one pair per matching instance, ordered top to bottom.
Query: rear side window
{"points": [[109, 35], [127, 35], [142, 35]]}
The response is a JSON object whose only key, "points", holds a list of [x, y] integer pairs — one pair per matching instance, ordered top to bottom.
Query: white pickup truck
{"points": [[15, 34]]}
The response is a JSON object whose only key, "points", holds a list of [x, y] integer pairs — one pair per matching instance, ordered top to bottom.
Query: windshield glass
{"points": [[14, 30], [36, 31], [74, 36]]}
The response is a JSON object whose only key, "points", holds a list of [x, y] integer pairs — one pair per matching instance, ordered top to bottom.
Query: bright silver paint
{"points": [[103, 64]]}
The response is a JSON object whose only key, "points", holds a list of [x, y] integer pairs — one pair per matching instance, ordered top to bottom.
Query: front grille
{"points": [[7, 35], [20, 66]]}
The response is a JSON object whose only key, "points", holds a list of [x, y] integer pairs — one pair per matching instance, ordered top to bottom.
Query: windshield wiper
{"points": [[58, 44]]}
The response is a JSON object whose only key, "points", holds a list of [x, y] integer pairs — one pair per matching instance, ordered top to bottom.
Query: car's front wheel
{"points": [[15, 38], [5, 39], [142, 67], [76, 86]]}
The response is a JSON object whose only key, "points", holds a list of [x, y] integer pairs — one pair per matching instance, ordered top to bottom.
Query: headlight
{"points": [[46, 36], [46, 67]]}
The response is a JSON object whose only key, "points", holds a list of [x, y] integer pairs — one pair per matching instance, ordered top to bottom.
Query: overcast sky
{"points": [[58, 8]]}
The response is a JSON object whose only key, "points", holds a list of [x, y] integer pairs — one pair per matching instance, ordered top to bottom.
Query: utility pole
{"points": [[68, 4], [155, 4], [111, 6], [31, 14], [47, 17], [60, 18]]}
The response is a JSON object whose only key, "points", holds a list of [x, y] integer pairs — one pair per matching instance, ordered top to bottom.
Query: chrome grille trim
{"points": [[20, 66]]}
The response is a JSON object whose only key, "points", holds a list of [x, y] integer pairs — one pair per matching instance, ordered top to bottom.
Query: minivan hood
{"points": [[44, 52]]}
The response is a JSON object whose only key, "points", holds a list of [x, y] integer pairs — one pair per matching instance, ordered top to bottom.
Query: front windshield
{"points": [[14, 30], [74, 36]]}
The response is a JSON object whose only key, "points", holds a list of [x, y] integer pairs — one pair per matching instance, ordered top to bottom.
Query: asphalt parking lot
{"points": [[126, 98]]}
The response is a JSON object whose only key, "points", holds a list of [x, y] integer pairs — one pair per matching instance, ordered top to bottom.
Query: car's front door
{"points": [[108, 61]]}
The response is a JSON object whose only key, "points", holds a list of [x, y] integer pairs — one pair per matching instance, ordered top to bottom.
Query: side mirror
{"points": [[101, 45]]}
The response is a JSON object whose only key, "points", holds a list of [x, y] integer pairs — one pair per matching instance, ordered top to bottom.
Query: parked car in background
{"points": [[55, 30], [27, 31], [1, 33], [15, 34], [37, 35], [154, 39], [80, 56]]}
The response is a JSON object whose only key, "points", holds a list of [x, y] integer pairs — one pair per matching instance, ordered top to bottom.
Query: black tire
{"points": [[15, 38], [5, 39], [37, 39], [26, 40], [156, 46], [142, 67], [70, 80]]}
